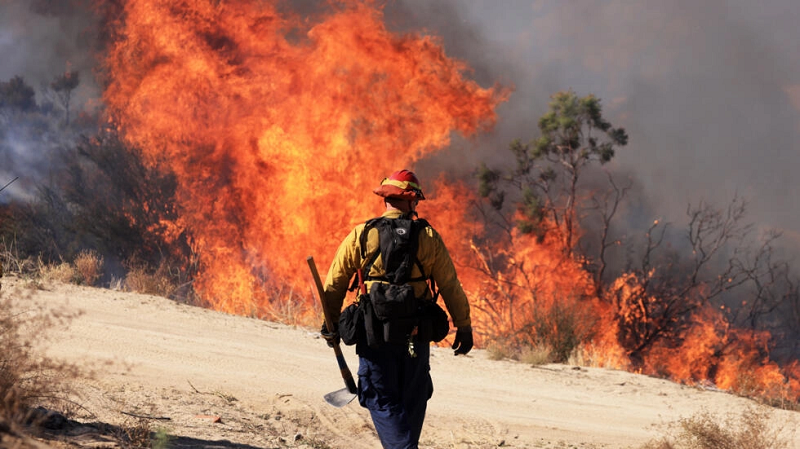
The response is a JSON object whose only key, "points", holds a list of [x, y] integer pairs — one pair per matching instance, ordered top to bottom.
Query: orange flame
{"points": [[277, 131], [276, 140], [517, 280], [710, 351], [730, 359]]}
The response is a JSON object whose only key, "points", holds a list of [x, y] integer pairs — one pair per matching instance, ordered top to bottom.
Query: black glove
{"points": [[332, 337], [463, 342]]}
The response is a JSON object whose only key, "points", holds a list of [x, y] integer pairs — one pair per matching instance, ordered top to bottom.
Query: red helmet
{"points": [[402, 184]]}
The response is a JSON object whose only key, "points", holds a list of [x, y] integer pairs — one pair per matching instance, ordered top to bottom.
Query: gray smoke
{"points": [[39, 40], [709, 92]]}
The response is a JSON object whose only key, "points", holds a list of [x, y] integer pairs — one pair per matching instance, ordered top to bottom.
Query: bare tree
{"points": [[63, 85], [606, 204], [656, 300], [772, 301]]}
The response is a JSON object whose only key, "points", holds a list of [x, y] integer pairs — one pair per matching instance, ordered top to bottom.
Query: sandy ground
{"points": [[181, 366]]}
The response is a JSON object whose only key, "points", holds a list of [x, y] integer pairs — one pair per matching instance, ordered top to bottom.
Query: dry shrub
{"points": [[11, 259], [14, 263], [89, 267], [86, 269], [62, 272], [141, 280], [166, 280], [286, 306], [562, 327], [499, 351], [538, 355], [27, 378], [751, 430], [134, 433]]}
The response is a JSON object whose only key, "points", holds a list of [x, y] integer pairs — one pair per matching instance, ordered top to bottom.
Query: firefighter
{"points": [[394, 381]]}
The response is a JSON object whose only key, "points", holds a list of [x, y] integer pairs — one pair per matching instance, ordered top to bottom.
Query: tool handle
{"points": [[361, 285], [345, 371]]}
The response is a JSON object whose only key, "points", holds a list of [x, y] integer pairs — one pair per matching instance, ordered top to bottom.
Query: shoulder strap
{"points": [[418, 226], [364, 237], [362, 248]]}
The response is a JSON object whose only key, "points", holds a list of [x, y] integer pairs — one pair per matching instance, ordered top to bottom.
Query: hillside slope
{"points": [[265, 381]]}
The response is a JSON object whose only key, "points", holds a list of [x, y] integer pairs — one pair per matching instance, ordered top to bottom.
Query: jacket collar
{"points": [[392, 214]]}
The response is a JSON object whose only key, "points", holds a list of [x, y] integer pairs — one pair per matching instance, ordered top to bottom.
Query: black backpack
{"points": [[399, 239], [391, 312]]}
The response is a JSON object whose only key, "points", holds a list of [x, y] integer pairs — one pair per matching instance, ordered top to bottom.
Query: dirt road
{"points": [[265, 382]]}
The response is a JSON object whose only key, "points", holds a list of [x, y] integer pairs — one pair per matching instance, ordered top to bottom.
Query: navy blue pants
{"points": [[395, 388]]}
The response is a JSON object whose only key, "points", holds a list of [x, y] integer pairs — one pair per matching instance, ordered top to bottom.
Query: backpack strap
{"points": [[420, 224], [364, 237]]}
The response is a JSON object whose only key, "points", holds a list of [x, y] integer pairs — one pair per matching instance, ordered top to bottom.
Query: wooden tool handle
{"points": [[346, 375]]}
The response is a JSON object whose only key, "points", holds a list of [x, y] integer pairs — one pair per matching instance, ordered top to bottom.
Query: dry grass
{"points": [[11, 260], [26, 267], [89, 267], [86, 270], [62, 272], [141, 280], [286, 306], [498, 351], [532, 355], [536, 356], [753, 429]]}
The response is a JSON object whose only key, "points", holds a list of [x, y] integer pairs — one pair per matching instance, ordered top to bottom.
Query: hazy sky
{"points": [[708, 91]]}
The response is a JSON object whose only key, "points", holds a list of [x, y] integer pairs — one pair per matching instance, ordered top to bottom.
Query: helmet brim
{"points": [[390, 191]]}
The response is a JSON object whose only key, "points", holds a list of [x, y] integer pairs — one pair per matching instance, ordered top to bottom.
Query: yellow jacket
{"points": [[432, 255]]}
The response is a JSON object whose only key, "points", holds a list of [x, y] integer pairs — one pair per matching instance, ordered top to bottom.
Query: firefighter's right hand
{"points": [[331, 337], [463, 342]]}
